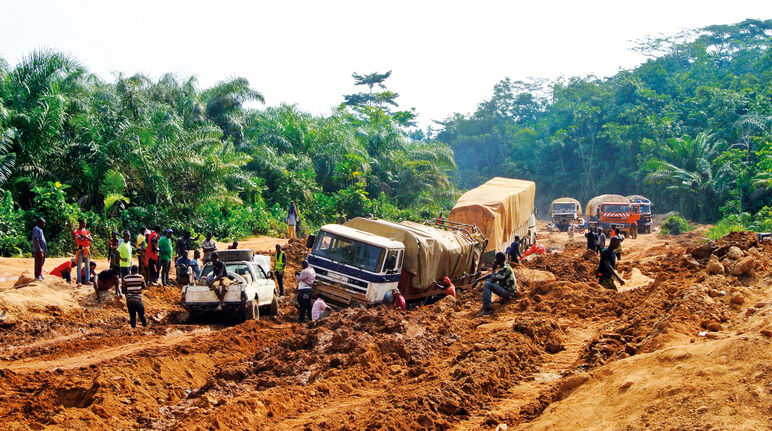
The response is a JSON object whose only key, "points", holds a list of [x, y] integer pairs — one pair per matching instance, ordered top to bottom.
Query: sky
{"points": [[445, 56]]}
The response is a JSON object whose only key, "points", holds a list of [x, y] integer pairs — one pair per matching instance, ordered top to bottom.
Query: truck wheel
{"points": [[273, 309], [251, 311]]}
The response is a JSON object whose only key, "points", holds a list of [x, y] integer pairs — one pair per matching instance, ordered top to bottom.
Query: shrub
{"points": [[675, 225], [13, 241]]}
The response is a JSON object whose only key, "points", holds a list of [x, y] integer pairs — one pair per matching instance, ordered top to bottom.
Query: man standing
{"points": [[292, 219], [634, 230], [592, 240], [601, 243], [185, 244], [141, 246], [209, 246], [39, 247], [83, 252], [124, 254], [151, 255], [165, 256], [113, 258], [279, 263], [606, 272], [305, 279], [133, 284], [503, 284]]}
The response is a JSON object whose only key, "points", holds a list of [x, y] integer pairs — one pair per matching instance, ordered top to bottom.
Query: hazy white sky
{"points": [[445, 55]]}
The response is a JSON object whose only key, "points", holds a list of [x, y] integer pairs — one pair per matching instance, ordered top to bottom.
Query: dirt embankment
{"points": [[669, 350]]}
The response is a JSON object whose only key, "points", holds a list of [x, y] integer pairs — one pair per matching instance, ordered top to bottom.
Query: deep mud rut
{"points": [[75, 363]]}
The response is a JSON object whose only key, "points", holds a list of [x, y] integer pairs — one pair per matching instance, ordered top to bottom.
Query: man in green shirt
{"points": [[124, 254], [165, 256], [280, 262], [501, 282]]}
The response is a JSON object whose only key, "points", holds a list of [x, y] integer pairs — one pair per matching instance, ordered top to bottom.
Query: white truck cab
{"points": [[355, 267], [251, 287]]}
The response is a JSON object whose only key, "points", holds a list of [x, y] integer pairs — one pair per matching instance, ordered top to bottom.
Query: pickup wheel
{"points": [[273, 309], [251, 311]]}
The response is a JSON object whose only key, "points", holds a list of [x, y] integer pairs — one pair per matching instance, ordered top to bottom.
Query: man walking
{"points": [[292, 219], [592, 239], [83, 241], [39, 247], [165, 256], [279, 263], [606, 272], [305, 279], [501, 282], [133, 284]]}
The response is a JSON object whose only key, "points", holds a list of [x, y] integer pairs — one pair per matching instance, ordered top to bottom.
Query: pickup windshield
{"points": [[563, 208], [611, 208], [348, 251], [239, 268]]}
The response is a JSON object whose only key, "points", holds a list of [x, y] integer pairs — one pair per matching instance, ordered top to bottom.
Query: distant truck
{"points": [[643, 205], [501, 209], [565, 212], [610, 212], [358, 262], [251, 289]]}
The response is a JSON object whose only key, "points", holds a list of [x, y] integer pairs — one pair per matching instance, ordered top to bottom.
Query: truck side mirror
{"points": [[310, 241]]}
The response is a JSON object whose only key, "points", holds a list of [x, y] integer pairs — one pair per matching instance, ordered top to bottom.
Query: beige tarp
{"points": [[568, 201], [592, 205], [498, 208], [430, 253]]}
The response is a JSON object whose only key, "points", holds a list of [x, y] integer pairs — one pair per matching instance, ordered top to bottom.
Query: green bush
{"points": [[675, 225], [13, 241]]}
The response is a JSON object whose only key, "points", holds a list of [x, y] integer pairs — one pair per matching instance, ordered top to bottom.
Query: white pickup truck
{"points": [[251, 287]]}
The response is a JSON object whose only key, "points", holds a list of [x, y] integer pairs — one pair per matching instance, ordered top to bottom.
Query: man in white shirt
{"points": [[305, 279], [320, 309]]}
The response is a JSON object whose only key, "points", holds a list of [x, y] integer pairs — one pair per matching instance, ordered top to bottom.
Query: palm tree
{"points": [[686, 169]]}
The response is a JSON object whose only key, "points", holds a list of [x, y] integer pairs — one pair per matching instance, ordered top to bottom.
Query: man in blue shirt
{"points": [[39, 247]]}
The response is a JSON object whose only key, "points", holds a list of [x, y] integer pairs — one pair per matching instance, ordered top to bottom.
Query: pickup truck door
{"points": [[265, 285]]}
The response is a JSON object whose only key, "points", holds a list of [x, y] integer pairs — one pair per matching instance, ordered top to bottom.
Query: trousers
{"points": [[491, 288], [304, 301], [136, 308]]}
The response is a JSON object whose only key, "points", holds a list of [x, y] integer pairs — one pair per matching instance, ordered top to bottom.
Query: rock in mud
{"points": [[703, 251], [734, 253], [714, 266], [743, 266]]}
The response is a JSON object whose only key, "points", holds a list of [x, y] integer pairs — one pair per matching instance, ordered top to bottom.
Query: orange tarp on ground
{"points": [[498, 208]]}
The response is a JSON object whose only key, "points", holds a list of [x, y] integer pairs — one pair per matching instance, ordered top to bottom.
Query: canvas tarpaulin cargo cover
{"points": [[567, 200], [594, 203], [498, 208], [430, 253]]}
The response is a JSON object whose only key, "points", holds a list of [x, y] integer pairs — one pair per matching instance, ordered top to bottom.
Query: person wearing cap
{"points": [[39, 247], [165, 256], [606, 272], [305, 279], [501, 282], [450, 288]]}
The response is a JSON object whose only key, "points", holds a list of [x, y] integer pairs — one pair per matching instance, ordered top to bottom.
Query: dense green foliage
{"points": [[690, 128], [138, 152], [675, 225]]}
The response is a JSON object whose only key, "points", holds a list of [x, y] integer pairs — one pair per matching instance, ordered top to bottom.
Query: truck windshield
{"points": [[563, 208], [620, 208], [645, 209], [348, 251], [239, 268]]}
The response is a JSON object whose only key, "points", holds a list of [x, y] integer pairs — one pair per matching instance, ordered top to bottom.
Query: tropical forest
{"points": [[691, 128]]}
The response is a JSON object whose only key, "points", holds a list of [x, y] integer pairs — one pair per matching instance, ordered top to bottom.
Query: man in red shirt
{"points": [[83, 253], [152, 255], [64, 270], [450, 288], [399, 300]]}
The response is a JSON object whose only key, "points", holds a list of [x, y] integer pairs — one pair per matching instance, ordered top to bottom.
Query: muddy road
{"points": [[564, 354]]}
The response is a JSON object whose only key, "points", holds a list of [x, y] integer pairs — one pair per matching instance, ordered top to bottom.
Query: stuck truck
{"points": [[643, 205], [501, 209], [564, 212], [610, 212], [358, 262], [251, 287]]}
